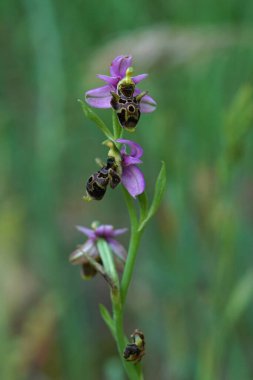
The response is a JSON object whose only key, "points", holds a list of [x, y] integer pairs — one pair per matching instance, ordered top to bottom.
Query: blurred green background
{"points": [[193, 283]]}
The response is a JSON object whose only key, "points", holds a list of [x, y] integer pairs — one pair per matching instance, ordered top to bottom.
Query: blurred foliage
{"points": [[193, 285]]}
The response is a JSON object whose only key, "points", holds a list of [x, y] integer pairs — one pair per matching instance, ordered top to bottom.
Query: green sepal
{"points": [[90, 114], [159, 191], [108, 262], [107, 318]]}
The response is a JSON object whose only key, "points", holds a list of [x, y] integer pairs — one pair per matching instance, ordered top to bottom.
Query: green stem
{"points": [[133, 247], [129, 267], [134, 372]]}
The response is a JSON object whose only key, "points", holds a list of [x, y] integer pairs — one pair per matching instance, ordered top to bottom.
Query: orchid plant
{"points": [[101, 252]]}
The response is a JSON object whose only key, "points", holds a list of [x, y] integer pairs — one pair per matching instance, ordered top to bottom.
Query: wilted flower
{"points": [[101, 97], [132, 177], [106, 232], [136, 350]]}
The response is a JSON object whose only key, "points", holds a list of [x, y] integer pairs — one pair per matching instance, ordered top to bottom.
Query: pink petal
{"points": [[119, 65], [139, 78], [113, 81], [99, 97], [147, 103], [136, 149], [129, 160], [133, 180], [105, 230], [87, 231], [120, 231], [118, 249]]}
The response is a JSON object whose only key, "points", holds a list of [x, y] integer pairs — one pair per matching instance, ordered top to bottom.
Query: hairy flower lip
{"points": [[100, 97], [132, 177]]}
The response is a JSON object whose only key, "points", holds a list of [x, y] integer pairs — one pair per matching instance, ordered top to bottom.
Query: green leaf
{"points": [[90, 114], [117, 128], [159, 191], [107, 318]]}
